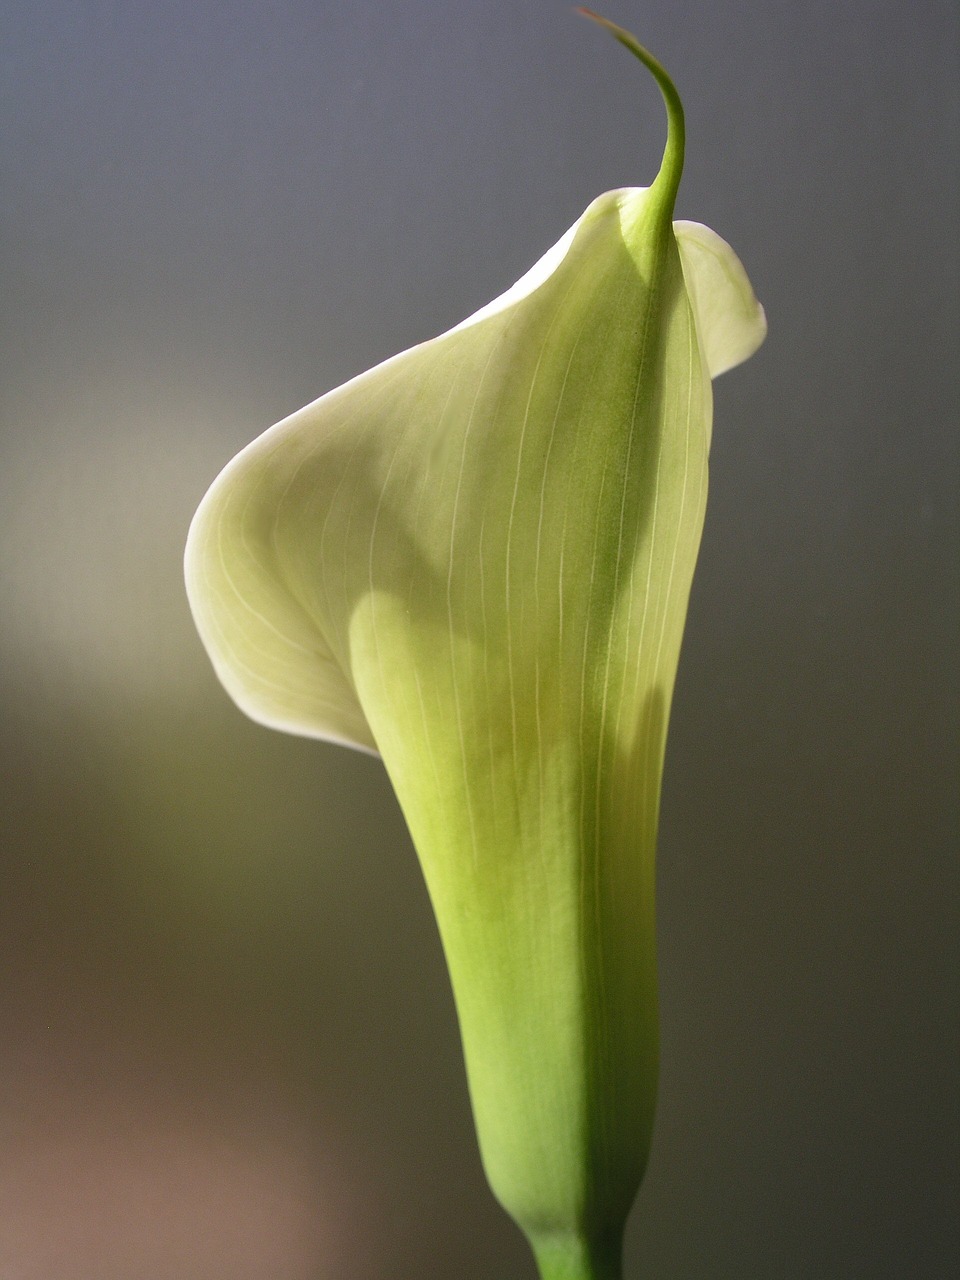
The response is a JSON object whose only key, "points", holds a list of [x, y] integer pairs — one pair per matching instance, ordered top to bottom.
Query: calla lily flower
{"points": [[475, 560]]}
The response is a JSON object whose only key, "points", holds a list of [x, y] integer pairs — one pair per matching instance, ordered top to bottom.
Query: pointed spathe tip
{"points": [[671, 166]]}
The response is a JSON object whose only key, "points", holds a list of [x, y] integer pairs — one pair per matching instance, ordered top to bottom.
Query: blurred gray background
{"points": [[227, 1043]]}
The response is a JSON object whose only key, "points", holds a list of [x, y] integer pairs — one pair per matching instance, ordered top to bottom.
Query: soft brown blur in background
{"points": [[227, 1043]]}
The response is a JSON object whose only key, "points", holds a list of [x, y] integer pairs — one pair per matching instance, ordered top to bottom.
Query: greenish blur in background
{"points": [[227, 1043]]}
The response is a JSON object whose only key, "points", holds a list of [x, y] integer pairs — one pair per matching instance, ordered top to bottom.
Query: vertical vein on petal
{"points": [[548, 453], [507, 575], [371, 585], [485, 634], [458, 711], [602, 741], [439, 792]]}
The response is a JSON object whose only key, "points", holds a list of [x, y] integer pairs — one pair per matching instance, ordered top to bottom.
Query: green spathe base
{"points": [[578, 1258]]}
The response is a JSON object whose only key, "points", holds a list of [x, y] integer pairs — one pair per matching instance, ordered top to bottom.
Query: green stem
{"points": [[575, 1258]]}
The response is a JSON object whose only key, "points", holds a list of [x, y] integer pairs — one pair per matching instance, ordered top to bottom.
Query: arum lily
{"points": [[475, 560]]}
